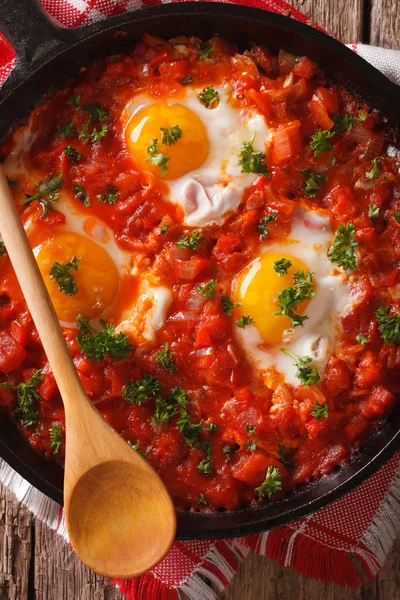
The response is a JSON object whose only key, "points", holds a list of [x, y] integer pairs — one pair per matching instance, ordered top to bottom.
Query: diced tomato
{"points": [[161, 57], [305, 68], [175, 70], [328, 99], [260, 101], [320, 113], [286, 143], [343, 204], [226, 244], [19, 332], [203, 338], [11, 352], [368, 370], [338, 377], [48, 389], [380, 402], [316, 427], [356, 428], [252, 469]]}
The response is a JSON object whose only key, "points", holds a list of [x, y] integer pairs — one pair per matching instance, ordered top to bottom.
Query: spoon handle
{"points": [[37, 297]]}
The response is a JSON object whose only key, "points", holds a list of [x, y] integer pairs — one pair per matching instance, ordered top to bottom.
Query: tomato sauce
{"points": [[240, 440]]}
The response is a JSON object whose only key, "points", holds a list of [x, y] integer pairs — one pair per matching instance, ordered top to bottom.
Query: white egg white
{"points": [[309, 240]]}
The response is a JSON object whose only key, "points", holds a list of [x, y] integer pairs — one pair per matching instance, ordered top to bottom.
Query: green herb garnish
{"points": [[204, 53], [209, 97], [66, 130], [95, 135], [170, 135], [72, 153], [157, 158], [252, 161], [374, 172], [313, 182], [46, 192], [80, 194], [110, 197], [373, 212], [262, 225], [192, 241], [343, 249], [281, 266], [63, 276], [207, 289], [291, 297], [228, 305], [245, 320], [388, 325], [362, 339], [97, 345], [165, 358], [304, 373], [137, 392], [26, 394], [320, 411], [250, 429], [56, 438], [271, 484]]}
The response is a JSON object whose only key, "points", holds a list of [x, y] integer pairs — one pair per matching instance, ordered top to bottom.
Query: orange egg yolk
{"points": [[186, 154], [96, 279], [257, 288]]}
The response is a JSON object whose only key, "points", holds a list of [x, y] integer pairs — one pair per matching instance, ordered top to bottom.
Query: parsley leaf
{"points": [[204, 53], [186, 80], [209, 97], [74, 101], [97, 113], [66, 130], [95, 135], [170, 135], [319, 142], [72, 153], [157, 158], [252, 161], [374, 172], [13, 182], [313, 182], [46, 193], [80, 194], [110, 197], [373, 212], [396, 216], [262, 225], [164, 229], [192, 241], [343, 249], [281, 266], [62, 275], [207, 289], [291, 297], [228, 305], [243, 321], [388, 325], [362, 339], [97, 345], [164, 358], [305, 374], [137, 392], [26, 394], [165, 409], [320, 411], [212, 428], [250, 429], [189, 430], [56, 438], [252, 446], [137, 449], [227, 450], [283, 456], [205, 466], [271, 484], [201, 499]]}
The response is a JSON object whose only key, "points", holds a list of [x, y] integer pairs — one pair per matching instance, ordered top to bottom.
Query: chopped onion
{"points": [[287, 62], [289, 80], [360, 134], [374, 147], [188, 270], [195, 302], [184, 316], [204, 351], [233, 354]]}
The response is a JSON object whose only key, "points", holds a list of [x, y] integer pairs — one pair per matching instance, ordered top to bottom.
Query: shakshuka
{"points": [[219, 233]]}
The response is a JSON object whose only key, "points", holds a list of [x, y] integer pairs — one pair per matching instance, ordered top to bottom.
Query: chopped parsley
{"points": [[204, 53], [186, 80], [209, 97], [74, 101], [97, 113], [66, 130], [95, 135], [170, 135], [319, 142], [72, 153], [157, 158], [252, 161], [374, 172], [13, 182], [313, 182], [46, 192], [80, 194], [110, 197], [373, 212], [396, 216], [262, 225], [164, 230], [192, 241], [3, 249], [343, 249], [281, 266], [63, 276], [207, 289], [291, 297], [228, 305], [244, 320], [388, 325], [362, 339], [97, 345], [165, 358], [304, 373], [137, 392], [26, 394], [320, 411], [212, 428], [250, 429], [189, 430], [56, 438], [252, 446], [137, 449], [227, 450], [283, 457], [205, 466], [271, 484], [201, 499]]}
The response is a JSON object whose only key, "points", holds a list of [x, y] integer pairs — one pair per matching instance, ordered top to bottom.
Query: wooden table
{"points": [[36, 564]]}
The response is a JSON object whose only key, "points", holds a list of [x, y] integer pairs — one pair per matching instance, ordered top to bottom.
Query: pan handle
{"points": [[34, 34]]}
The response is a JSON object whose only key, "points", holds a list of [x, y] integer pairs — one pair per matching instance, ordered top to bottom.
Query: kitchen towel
{"points": [[346, 542]]}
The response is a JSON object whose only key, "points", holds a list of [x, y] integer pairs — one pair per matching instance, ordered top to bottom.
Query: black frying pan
{"points": [[47, 54]]}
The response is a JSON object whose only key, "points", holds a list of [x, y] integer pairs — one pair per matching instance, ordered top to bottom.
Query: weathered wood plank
{"points": [[341, 18], [385, 23], [15, 547], [59, 574], [388, 583]]}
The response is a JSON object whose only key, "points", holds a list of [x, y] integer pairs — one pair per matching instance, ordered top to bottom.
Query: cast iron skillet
{"points": [[47, 54]]}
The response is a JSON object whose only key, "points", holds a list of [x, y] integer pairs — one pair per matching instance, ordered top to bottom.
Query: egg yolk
{"points": [[186, 154], [96, 278], [257, 288]]}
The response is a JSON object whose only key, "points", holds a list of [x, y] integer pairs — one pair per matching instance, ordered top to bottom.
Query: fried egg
{"points": [[203, 171], [257, 287]]}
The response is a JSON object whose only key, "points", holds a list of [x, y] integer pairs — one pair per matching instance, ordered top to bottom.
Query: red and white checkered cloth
{"points": [[362, 525]]}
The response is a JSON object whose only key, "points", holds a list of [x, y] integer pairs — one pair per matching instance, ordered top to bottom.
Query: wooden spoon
{"points": [[120, 518]]}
